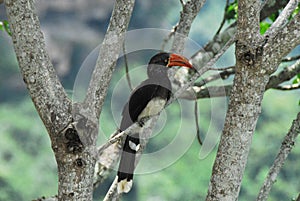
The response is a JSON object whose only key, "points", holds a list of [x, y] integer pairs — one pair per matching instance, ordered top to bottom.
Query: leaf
{"points": [[231, 11], [296, 11], [274, 16], [1, 26], [264, 26], [6, 27], [297, 79]]}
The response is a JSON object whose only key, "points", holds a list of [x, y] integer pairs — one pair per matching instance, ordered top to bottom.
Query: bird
{"points": [[146, 100]]}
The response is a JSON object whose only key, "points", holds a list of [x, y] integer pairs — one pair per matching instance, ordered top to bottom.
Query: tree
{"points": [[73, 128]]}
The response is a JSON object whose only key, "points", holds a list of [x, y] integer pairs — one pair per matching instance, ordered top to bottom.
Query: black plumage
{"points": [[147, 100]]}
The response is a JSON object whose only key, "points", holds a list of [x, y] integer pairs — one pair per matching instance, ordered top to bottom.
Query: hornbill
{"points": [[147, 100]]}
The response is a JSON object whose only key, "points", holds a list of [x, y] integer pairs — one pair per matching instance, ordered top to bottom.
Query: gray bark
{"points": [[189, 12], [256, 58], [199, 90], [72, 129], [286, 147]]}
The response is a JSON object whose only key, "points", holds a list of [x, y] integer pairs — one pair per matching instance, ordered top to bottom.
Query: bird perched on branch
{"points": [[147, 100]]}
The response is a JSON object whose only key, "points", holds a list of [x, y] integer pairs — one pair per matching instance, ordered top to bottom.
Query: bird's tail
{"points": [[127, 163]]}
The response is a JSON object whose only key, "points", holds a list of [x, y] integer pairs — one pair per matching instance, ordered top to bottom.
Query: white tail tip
{"points": [[124, 186]]}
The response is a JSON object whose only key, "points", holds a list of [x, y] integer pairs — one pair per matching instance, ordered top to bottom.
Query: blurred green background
{"points": [[72, 30]]}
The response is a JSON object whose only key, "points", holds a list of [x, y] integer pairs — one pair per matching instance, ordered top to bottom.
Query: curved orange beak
{"points": [[178, 60]]}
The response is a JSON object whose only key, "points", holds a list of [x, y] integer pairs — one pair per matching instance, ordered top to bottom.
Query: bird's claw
{"points": [[143, 121]]}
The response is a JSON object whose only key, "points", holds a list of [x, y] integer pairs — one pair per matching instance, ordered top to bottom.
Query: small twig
{"points": [[182, 3], [263, 4], [282, 19], [223, 20], [168, 38], [288, 59], [126, 67], [204, 69], [222, 69], [286, 74], [223, 75], [288, 87], [197, 122], [113, 139], [286, 147], [111, 194], [298, 198]]}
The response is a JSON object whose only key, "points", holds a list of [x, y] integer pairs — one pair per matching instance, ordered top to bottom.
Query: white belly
{"points": [[154, 107]]}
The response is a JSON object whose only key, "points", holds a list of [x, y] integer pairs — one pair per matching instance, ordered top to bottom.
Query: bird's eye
{"points": [[166, 60]]}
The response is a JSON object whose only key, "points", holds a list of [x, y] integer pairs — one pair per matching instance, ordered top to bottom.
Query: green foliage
{"points": [[231, 11], [296, 11], [274, 16], [4, 26], [264, 26], [297, 79]]}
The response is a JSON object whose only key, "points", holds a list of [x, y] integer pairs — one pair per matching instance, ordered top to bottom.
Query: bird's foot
{"points": [[143, 121]]}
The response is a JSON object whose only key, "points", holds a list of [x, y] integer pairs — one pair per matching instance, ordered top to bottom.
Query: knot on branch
{"points": [[249, 55], [73, 142], [80, 162]]}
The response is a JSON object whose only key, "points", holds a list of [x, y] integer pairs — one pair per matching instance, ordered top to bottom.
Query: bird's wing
{"points": [[148, 99], [137, 102]]}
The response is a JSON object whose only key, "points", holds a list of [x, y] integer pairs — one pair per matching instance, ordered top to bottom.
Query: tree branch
{"points": [[269, 6], [189, 11], [224, 18], [282, 19], [248, 21], [219, 40], [283, 41], [108, 56], [288, 59], [222, 75], [285, 75], [288, 87], [45, 90], [201, 91], [244, 106], [286, 147], [112, 194], [53, 198]]}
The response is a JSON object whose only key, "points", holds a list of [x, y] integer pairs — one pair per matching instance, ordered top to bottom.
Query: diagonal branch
{"points": [[189, 11], [283, 18], [218, 41], [283, 41], [108, 56], [288, 59], [285, 75], [44, 87], [288, 87], [202, 91], [286, 147]]}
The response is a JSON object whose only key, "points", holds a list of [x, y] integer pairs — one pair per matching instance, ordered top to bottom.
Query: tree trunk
{"points": [[257, 57], [244, 107]]}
